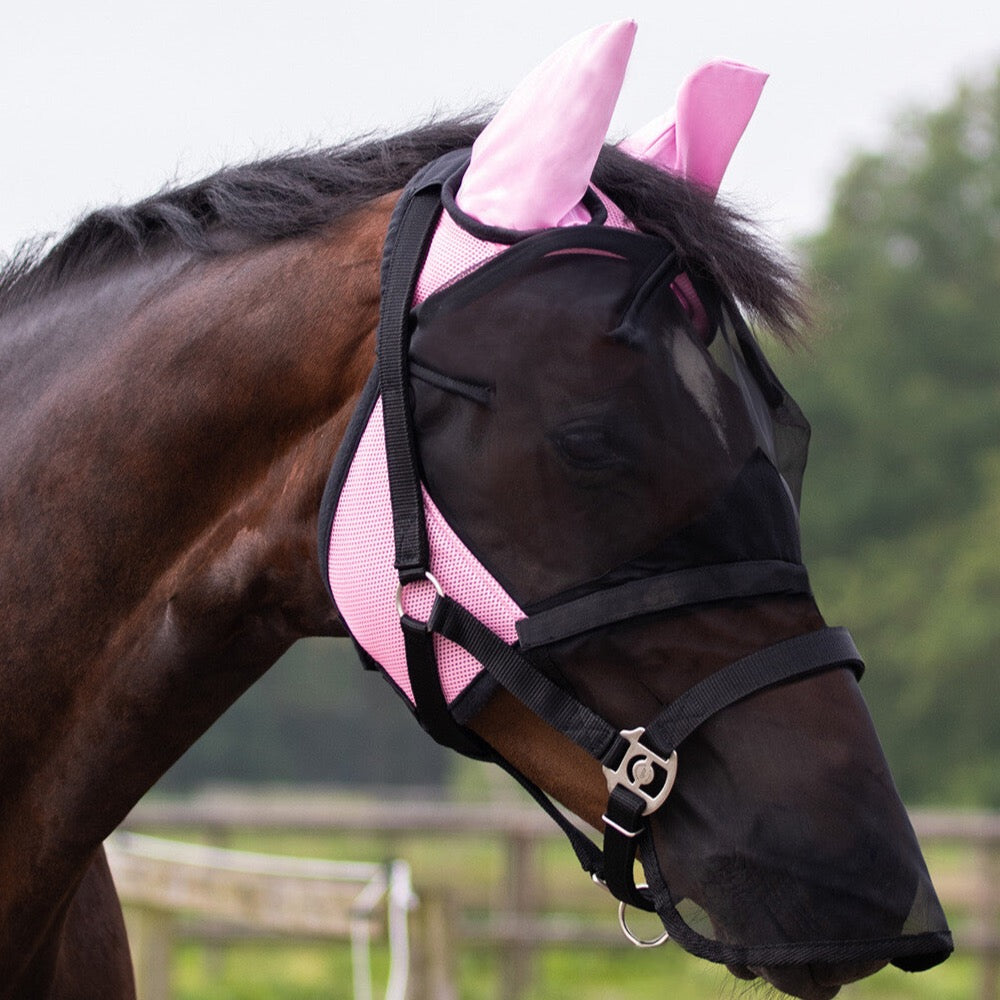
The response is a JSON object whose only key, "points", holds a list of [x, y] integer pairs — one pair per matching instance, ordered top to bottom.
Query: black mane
{"points": [[300, 193]]}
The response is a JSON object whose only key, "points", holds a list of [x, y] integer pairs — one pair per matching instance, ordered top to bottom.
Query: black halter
{"points": [[640, 764]]}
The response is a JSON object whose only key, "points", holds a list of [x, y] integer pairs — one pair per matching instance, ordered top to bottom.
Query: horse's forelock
{"points": [[714, 239]]}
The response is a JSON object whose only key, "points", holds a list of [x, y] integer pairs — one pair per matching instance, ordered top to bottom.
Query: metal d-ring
{"points": [[429, 577], [627, 931]]}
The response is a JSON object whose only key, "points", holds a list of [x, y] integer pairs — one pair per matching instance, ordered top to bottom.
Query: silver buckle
{"points": [[640, 768]]}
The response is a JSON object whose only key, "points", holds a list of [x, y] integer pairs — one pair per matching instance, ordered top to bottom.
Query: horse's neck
{"points": [[131, 454], [158, 510]]}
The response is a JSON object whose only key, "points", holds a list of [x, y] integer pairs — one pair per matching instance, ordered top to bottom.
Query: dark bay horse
{"points": [[175, 378]]}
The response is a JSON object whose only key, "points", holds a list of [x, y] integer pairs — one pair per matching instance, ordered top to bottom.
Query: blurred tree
{"points": [[901, 515], [315, 718]]}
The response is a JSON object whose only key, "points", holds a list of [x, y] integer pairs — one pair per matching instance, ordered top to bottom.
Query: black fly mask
{"points": [[535, 415]]}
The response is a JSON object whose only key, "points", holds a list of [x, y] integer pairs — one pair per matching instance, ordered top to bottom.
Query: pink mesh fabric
{"points": [[616, 217], [454, 252], [452, 255], [363, 580]]}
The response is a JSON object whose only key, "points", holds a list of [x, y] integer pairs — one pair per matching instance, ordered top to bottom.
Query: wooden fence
{"points": [[260, 893], [518, 926]]}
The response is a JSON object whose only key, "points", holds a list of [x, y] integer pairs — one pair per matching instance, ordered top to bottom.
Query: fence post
{"points": [[988, 917], [151, 934], [517, 953], [432, 955]]}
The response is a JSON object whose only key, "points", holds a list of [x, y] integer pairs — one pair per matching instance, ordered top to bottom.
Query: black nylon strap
{"points": [[413, 227], [410, 230], [662, 593], [806, 654], [800, 656], [428, 698], [545, 698], [437, 721], [623, 826], [587, 852]]}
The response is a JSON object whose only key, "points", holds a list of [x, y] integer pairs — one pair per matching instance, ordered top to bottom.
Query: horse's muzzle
{"points": [[810, 982]]}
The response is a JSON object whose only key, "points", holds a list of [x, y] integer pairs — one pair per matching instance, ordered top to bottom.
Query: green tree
{"points": [[902, 502], [314, 718]]}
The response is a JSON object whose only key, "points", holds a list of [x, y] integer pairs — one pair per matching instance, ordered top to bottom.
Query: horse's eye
{"points": [[588, 446]]}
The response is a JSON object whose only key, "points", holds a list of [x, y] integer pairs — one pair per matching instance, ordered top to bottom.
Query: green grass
{"points": [[322, 972]]}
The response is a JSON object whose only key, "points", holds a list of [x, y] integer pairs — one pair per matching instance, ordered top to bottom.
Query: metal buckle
{"points": [[643, 772], [615, 826]]}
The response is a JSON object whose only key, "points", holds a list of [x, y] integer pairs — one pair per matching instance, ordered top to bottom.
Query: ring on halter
{"points": [[429, 577], [627, 931]]}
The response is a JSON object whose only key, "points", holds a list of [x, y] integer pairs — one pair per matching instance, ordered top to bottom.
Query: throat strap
{"points": [[529, 685]]}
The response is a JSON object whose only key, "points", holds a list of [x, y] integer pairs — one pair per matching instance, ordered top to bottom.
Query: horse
{"points": [[177, 379]]}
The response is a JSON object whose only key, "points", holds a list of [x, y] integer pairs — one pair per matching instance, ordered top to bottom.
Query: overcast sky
{"points": [[107, 100]]}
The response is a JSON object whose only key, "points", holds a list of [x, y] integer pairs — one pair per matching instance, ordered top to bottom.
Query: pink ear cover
{"points": [[697, 139], [532, 163]]}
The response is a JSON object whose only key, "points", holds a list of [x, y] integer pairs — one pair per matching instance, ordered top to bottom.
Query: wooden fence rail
{"points": [[299, 897], [519, 927]]}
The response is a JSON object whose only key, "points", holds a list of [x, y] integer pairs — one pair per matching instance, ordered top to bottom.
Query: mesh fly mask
{"points": [[449, 604]]}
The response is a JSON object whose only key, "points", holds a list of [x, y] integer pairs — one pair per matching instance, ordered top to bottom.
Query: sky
{"points": [[106, 101]]}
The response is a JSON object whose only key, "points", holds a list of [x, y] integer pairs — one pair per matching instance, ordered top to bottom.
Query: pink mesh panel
{"points": [[616, 217], [454, 252], [363, 580]]}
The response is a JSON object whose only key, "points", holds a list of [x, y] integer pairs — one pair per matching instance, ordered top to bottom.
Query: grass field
{"points": [[472, 874], [258, 972]]}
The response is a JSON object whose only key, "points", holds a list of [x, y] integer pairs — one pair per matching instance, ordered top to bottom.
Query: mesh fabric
{"points": [[454, 252], [363, 579]]}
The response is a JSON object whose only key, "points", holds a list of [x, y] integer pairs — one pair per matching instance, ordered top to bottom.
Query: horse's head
{"points": [[576, 440]]}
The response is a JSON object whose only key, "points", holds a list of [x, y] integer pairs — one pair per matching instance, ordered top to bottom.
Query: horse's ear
{"points": [[697, 138], [532, 163]]}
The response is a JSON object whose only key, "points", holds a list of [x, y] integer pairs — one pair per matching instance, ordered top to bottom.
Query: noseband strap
{"points": [[641, 763], [628, 804]]}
